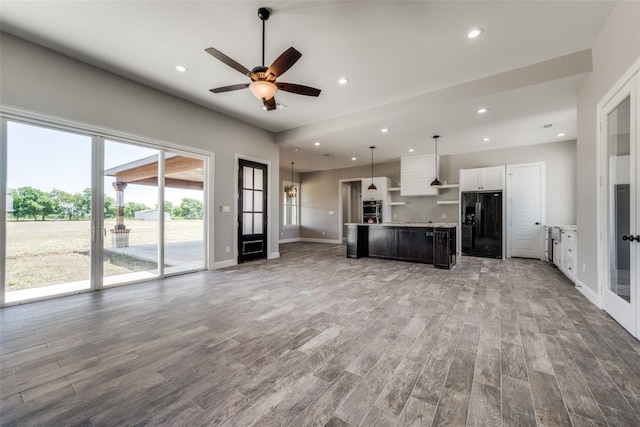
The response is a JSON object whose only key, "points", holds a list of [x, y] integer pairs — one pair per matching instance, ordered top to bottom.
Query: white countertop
{"points": [[408, 224], [564, 227]]}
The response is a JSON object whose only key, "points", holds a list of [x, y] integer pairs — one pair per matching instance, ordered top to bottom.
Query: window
{"points": [[290, 204]]}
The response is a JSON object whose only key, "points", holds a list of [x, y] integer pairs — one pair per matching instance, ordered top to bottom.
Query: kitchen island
{"points": [[428, 243]]}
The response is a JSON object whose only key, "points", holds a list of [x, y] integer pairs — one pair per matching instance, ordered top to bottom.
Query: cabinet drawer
{"points": [[571, 252], [570, 269]]}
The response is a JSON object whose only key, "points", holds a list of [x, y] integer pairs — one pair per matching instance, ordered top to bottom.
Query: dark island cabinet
{"points": [[357, 241], [382, 242], [415, 244], [444, 244], [429, 245]]}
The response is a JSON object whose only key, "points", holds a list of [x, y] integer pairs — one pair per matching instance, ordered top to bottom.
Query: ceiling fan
{"points": [[263, 79]]}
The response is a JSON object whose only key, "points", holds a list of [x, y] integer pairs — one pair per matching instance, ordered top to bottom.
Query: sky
{"points": [[45, 158]]}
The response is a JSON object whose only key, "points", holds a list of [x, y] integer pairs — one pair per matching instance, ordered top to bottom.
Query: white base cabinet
{"points": [[565, 252]]}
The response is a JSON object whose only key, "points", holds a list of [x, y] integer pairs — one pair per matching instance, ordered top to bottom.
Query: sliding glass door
{"points": [[48, 212], [83, 212], [131, 215], [184, 247]]}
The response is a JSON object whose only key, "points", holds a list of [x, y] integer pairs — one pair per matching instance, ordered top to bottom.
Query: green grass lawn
{"points": [[41, 253]]}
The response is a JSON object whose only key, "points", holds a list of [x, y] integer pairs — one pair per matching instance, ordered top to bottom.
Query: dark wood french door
{"points": [[252, 211]]}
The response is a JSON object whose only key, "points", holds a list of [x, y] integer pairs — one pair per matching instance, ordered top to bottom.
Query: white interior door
{"points": [[525, 210], [621, 240]]}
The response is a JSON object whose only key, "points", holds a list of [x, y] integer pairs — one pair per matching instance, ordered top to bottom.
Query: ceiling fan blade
{"points": [[230, 62], [284, 62], [229, 88], [298, 89], [270, 103]]}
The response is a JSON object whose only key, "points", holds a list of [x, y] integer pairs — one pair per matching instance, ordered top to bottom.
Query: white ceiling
{"points": [[411, 67]]}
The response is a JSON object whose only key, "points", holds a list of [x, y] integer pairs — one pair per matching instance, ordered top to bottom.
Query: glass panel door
{"points": [[619, 199], [252, 205], [183, 213], [131, 214], [48, 226], [619, 296]]}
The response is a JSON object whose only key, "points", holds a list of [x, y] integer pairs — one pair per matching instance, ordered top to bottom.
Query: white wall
{"points": [[616, 48], [40, 80]]}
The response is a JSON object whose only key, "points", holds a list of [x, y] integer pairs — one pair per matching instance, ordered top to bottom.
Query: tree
{"points": [[29, 201], [82, 202], [65, 204], [48, 206], [169, 206], [109, 208], [131, 208], [190, 208]]}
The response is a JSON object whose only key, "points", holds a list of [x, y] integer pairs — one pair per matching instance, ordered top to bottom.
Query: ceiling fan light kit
{"points": [[263, 79], [263, 89]]}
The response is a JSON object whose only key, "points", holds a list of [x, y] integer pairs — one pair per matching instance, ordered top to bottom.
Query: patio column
{"points": [[120, 233]]}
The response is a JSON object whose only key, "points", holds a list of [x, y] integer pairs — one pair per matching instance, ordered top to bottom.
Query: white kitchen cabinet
{"points": [[416, 174], [482, 179], [382, 189], [382, 193], [565, 251], [569, 259]]}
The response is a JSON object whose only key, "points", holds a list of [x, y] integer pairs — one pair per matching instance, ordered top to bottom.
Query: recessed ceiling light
{"points": [[475, 33], [181, 68], [343, 80], [482, 110], [384, 130], [561, 134], [486, 139], [316, 143], [411, 150], [353, 158]]}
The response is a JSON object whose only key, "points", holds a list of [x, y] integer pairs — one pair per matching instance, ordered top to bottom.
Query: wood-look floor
{"points": [[314, 338]]}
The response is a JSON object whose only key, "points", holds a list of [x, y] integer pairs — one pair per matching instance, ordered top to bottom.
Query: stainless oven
{"points": [[372, 211]]}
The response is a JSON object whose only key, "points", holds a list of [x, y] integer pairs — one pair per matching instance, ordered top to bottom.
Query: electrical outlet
{"points": [[395, 216], [444, 216], [323, 233], [228, 249], [584, 267]]}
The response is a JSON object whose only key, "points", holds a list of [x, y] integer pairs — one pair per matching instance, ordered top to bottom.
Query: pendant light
{"points": [[436, 182], [372, 187], [292, 190]]}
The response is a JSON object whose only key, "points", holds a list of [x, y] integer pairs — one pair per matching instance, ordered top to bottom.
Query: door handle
{"points": [[537, 223], [631, 238]]}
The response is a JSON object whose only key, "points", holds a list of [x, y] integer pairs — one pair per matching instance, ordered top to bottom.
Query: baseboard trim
{"points": [[292, 240], [332, 241], [274, 255], [224, 264], [589, 293]]}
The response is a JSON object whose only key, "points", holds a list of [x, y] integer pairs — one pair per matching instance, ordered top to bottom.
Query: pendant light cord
{"points": [[371, 165]]}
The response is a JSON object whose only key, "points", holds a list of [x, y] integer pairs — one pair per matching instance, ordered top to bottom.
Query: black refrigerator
{"points": [[482, 224]]}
